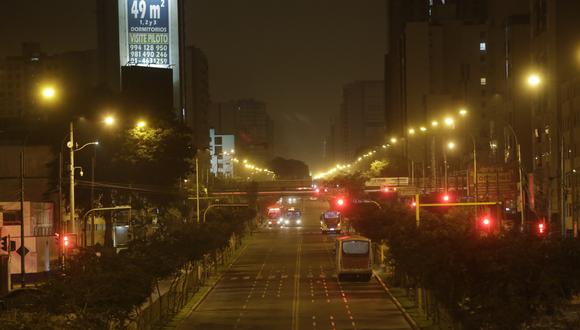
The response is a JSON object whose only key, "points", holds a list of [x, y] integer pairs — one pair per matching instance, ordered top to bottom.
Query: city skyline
{"points": [[295, 60]]}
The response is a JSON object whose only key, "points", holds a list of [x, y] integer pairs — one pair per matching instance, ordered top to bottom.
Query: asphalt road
{"points": [[285, 279]]}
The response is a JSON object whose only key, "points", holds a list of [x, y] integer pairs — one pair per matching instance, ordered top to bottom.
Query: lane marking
{"points": [[296, 299]]}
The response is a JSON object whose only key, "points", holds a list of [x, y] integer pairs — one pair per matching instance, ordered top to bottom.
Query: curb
{"points": [[406, 315]]}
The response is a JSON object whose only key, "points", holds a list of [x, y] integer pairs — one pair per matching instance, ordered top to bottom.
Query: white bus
{"points": [[354, 258]]}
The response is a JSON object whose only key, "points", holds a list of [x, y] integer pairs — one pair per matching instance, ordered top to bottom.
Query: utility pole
{"points": [[71, 145], [93, 165], [197, 186], [22, 247]]}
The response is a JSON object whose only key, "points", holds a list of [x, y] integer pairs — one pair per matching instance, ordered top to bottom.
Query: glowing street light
{"points": [[534, 80], [48, 92], [462, 112], [109, 120], [449, 121], [434, 123], [141, 124], [423, 129], [411, 131], [393, 140], [451, 145]]}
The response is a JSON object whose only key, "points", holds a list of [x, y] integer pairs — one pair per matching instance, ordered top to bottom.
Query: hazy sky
{"points": [[295, 55]]}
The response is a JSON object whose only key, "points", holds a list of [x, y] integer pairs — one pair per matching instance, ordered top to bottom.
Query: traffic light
{"points": [[445, 198], [340, 202], [485, 224], [541, 228], [66, 241], [5, 243]]}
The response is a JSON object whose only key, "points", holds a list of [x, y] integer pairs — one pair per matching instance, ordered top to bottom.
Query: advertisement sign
{"points": [[148, 32], [149, 37], [390, 181], [496, 182]]}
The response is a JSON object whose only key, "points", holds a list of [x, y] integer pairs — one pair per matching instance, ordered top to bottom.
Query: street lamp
{"points": [[534, 80], [48, 92], [110, 120], [449, 121], [141, 124], [450, 146]]}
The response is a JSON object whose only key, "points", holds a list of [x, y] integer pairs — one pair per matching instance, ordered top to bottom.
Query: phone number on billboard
{"points": [[137, 56]]}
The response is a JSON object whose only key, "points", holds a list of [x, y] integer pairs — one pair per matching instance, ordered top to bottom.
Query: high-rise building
{"points": [[197, 97], [249, 121], [362, 121], [556, 122]]}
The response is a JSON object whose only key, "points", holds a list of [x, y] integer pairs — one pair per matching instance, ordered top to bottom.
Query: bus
{"points": [[330, 221], [354, 258]]}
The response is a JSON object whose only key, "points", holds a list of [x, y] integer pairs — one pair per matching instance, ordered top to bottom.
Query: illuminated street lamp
{"points": [[534, 80], [48, 92], [462, 112], [110, 120], [449, 121], [434, 123], [141, 124], [411, 131], [393, 140], [450, 145]]}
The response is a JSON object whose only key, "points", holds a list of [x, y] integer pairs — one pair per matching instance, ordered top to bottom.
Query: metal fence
{"points": [[169, 296]]}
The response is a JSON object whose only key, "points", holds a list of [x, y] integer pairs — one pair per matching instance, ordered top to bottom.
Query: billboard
{"points": [[148, 32], [149, 37]]}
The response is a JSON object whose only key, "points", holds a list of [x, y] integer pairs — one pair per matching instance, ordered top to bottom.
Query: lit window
{"points": [[482, 46], [483, 81]]}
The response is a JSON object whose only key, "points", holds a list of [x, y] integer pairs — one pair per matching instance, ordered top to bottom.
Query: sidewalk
{"points": [[198, 297]]}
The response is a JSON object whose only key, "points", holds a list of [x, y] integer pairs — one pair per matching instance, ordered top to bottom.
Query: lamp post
{"points": [[71, 147], [72, 150], [522, 203]]}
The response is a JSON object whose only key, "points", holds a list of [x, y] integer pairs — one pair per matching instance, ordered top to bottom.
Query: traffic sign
{"points": [[19, 250]]}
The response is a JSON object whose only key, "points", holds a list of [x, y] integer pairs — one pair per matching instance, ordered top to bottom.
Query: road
{"points": [[284, 279]]}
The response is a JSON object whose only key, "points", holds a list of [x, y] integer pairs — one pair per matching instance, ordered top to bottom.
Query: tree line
{"points": [[507, 281], [98, 289]]}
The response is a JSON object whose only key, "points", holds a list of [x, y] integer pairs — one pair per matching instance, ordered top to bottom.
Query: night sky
{"points": [[294, 55]]}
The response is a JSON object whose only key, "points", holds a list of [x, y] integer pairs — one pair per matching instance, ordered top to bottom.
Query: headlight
{"points": [[298, 221], [269, 222], [286, 222]]}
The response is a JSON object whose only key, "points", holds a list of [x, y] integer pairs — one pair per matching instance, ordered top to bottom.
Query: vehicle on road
{"points": [[293, 217], [275, 218], [330, 221], [353, 258]]}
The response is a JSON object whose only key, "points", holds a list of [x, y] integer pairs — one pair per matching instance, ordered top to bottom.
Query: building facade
{"points": [[555, 34], [361, 122], [250, 123], [222, 152]]}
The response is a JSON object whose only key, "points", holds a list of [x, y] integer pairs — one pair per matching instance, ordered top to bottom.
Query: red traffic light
{"points": [[317, 190], [445, 198], [340, 202], [414, 204], [486, 222], [541, 228], [66, 241]]}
